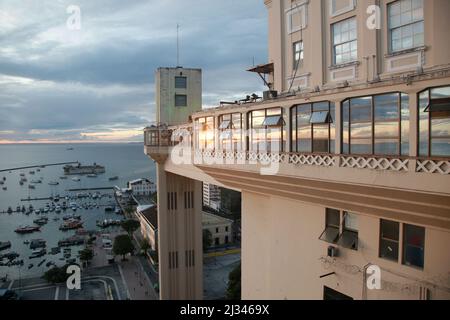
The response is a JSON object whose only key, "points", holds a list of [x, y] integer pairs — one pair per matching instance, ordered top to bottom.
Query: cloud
{"points": [[97, 83]]}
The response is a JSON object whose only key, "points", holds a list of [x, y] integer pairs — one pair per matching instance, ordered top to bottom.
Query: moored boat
{"points": [[27, 229]]}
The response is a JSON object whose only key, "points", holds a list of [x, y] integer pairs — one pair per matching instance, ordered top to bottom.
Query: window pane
{"points": [[180, 82], [439, 93], [180, 100], [386, 106], [361, 109], [319, 117], [273, 121], [423, 123], [405, 124], [345, 127], [386, 129], [361, 130], [320, 140], [361, 146], [386, 147], [440, 147], [333, 217], [351, 221], [390, 230], [389, 249], [413, 251]]}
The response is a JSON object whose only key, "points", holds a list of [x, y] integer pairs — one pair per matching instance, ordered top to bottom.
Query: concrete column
{"points": [[180, 237]]}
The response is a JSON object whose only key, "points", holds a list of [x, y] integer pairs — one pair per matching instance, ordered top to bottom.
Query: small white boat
{"points": [[76, 179], [53, 183]]}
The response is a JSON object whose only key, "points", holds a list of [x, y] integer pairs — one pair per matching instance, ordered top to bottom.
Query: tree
{"points": [[130, 226], [207, 239], [122, 246], [145, 246], [86, 255], [56, 275], [234, 284]]}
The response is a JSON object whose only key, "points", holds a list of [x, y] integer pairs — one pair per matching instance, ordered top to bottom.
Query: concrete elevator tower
{"points": [[178, 95]]}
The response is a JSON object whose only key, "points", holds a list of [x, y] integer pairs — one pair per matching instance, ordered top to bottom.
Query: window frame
{"points": [[401, 26], [342, 43], [298, 63], [185, 82], [177, 95], [250, 119], [331, 127], [429, 127], [233, 131], [201, 134], [400, 138], [329, 226], [381, 238], [405, 245]]}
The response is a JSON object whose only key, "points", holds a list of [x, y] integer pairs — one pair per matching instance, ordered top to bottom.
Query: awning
{"points": [[262, 68]]}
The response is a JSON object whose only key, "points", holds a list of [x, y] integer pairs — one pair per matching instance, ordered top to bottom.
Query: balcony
{"points": [[159, 138]]}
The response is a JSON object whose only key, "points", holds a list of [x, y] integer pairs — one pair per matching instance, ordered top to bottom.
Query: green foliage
{"points": [[230, 202], [130, 226], [207, 239], [122, 245], [145, 246], [86, 254], [56, 275], [234, 284]]}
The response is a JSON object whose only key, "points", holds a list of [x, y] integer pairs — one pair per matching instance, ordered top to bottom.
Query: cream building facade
{"points": [[344, 164], [219, 227]]}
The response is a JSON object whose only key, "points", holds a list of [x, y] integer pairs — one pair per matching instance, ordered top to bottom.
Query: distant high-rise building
{"points": [[211, 196]]}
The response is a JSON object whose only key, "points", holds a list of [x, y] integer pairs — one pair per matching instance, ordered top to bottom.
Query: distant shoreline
{"points": [[68, 143]]}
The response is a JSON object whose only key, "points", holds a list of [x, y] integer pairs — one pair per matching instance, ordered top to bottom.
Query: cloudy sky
{"points": [[97, 83]]}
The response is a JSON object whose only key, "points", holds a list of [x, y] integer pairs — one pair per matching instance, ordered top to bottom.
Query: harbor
{"points": [[49, 211]]}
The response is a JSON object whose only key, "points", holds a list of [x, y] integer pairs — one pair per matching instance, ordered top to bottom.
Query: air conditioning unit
{"points": [[270, 94], [332, 252]]}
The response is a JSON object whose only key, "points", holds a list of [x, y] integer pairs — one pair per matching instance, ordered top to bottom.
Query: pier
{"points": [[39, 166], [90, 189]]}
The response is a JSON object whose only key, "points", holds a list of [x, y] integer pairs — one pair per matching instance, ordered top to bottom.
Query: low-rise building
{"points": [[141, 187], [148, 217], [220, 228]]}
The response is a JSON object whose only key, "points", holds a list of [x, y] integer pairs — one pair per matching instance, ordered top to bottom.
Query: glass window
{"points": [[406, 25], [345, 46], [297, 54], [180, 82], [180, 100], [320, 117], [434, 122], [376, 125], [313, 129], [267, 130], [204, 131], [230, 137], [332, 224], [349, 236], [389, 239], [413, 245]]}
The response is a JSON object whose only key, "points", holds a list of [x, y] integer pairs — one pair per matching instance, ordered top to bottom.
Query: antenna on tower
{"points": [[178, 45]]}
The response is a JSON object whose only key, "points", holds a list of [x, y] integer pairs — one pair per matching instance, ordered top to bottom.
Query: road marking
{"points": [[109, 278], [124, 281], [10, 284], [105, 286], [57, 293]]}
